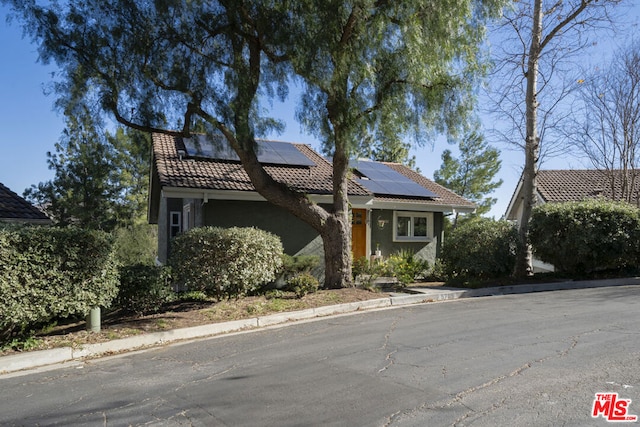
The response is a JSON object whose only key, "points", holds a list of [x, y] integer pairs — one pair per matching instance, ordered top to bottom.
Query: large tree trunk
{"points": [[337, 235], [336, 239], [523, 265]]}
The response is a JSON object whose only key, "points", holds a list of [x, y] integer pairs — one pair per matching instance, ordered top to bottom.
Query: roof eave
{"points": [[420, 206]]}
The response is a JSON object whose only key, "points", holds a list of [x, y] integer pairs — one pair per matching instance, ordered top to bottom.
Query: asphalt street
{"points": [[518, 360]]}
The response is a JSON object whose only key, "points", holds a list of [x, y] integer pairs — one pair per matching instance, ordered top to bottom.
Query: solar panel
{"points": [[269, 152], [381, 179]]}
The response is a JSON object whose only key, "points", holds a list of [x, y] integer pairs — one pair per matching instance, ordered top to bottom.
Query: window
{"points": [[175, 223], [412, 226]]}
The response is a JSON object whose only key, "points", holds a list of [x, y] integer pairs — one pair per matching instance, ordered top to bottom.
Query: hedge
{"points": [[582, 237], [481, 248], [225, 262], [50, 272], [144, 288]]}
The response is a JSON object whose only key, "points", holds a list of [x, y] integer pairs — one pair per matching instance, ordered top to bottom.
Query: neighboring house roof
{"points": [[174, 170], [556, 186], [14, 208]]}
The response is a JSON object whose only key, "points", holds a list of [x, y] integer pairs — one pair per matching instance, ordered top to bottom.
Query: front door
{"points": [[359, 233]]}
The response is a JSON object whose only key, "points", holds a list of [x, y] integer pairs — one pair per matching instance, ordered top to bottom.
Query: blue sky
{"points": [[30, 126]]}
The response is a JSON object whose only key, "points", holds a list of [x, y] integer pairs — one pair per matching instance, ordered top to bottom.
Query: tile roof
{"points": [[213, 174], [224, 175], [576, 185], [445, 196], [15, 208]]}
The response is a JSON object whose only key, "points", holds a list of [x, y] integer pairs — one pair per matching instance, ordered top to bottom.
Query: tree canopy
{"points": [[368, 68]]}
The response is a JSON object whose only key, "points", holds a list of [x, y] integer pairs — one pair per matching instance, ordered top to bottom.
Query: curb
{"points": [[65, 355]]}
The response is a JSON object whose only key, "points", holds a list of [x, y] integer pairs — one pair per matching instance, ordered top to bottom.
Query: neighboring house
{"points": [[197, 182], [557, 186], [14, 208]]}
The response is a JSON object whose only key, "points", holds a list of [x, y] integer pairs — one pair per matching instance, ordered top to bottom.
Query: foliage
{"points": [[395, 69], [387, 149], [471, 176], [100, 179], [85, 185], [586, 236], [136, 244], [481, 248], [225, 262], [292, 265], [403, 265], [360, 266], [406, 267], [47, 273], [302, 284], [144, 288], [23, 343]]}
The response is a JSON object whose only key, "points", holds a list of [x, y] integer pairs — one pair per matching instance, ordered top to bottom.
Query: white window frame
{"points": [[412, 216], [187, 217], [175, 221]]}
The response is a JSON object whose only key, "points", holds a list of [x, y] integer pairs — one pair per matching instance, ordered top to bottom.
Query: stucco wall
{"points": [[295, 234], [383, 238]]}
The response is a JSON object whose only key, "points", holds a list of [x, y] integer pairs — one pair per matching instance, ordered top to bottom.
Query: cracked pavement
{"points": [[532, 359]]}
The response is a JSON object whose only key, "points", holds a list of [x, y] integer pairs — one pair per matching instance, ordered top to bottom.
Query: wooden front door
{"points": [[359, 233]]}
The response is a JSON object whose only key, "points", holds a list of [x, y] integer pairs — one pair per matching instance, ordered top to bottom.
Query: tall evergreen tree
{"points": [[471, 175], [100, 179], [85, 187]]}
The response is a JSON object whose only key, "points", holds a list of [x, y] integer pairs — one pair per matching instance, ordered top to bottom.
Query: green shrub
{"points": [[586, 236], [136, 244], [481, 248], [225, 262], [292, 265], [360, 266], [404, 266], [50, 272], [302, 284], [144, 288]]}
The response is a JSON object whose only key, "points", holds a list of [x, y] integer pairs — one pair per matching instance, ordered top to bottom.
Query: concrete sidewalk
{"points": [[68, 356]]}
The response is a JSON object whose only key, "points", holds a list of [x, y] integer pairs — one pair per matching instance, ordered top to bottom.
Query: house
{"points": [[199, 181], [557, 186], [14, 208]]}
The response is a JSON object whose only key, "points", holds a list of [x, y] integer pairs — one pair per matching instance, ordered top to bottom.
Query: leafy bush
{"points": [[586, 236], [136, 244], [481, 248], [225, 262], [404, 266], [360, 267], [49, 272], [303, 284], [144, 288]]}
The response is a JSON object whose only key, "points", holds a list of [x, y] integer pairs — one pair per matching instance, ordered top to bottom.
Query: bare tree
{"points": [[540, 43], [607, 122]]}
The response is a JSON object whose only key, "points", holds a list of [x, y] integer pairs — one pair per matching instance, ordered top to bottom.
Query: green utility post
{"points": [[93, 320]]}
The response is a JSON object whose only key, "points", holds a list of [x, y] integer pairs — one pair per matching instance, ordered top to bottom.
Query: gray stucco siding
{"points": [[294, 233]]}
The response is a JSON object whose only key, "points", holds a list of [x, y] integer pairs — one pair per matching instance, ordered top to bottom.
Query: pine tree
{"points": [[471, 175]]}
